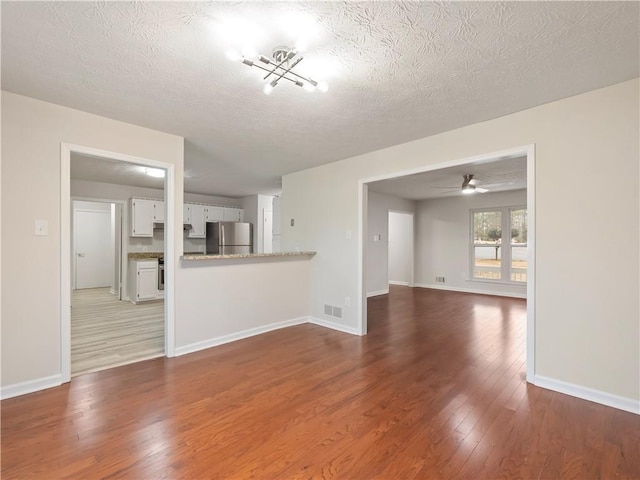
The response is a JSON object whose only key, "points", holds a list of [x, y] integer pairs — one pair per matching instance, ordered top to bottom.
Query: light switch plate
{"points": [[41, 228]]}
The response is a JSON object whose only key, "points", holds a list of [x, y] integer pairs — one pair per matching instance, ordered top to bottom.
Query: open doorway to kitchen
{"points": [[449, 246], [108, 261], [107, 329]]}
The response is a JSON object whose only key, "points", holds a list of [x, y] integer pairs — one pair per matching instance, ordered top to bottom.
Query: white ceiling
{"points": [[397, 71], [96, 169], [499, 175]]}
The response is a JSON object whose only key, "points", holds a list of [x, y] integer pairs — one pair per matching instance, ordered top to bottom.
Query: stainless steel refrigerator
{"points": [[226, 238]]}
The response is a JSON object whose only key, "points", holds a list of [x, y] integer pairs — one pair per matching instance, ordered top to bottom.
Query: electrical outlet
{"points": [[293, 222], [347, 235], [439, 279], [347, 301]]}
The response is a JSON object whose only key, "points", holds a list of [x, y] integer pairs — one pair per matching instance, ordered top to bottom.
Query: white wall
{"points": [[32, 132], [84, 188], [254, 206], [277, 224], [442, 241], [401, 248], [377, 264], [224, 299], [587, 331]]}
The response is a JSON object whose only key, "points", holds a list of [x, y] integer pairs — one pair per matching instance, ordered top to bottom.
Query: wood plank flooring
{"points": [[107, 332], [436, 390]]}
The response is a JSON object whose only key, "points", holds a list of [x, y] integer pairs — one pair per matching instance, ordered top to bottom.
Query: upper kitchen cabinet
{"points": [[158, 211], [214, 214], [230, 214], [197, 215], [141, 217], [197, 221]]}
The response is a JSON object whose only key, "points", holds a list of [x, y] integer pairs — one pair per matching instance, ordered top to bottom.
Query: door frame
{"points": [[363, 194], [65, 245], [412, 250]]}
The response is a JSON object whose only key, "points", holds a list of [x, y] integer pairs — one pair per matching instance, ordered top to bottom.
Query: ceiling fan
{"points": [[469, 186]]}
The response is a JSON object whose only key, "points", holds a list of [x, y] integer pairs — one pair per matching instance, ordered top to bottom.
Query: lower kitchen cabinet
{"points": [[143, 281]]}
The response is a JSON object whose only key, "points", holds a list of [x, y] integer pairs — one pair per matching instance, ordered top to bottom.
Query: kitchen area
{"points": [[207, 229], [123, 318]]}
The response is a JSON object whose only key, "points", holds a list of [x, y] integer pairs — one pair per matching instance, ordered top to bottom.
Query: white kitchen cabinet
{"points": [[158, 211], [186, 213], [214, 214], [230, 214], [141, 217], [197, 221], [145, 282]]}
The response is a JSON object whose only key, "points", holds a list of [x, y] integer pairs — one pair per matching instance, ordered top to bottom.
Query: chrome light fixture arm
{"points": [[282, 66]]}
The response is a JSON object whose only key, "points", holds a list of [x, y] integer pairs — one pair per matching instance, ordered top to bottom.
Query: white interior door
{"points": [[267, 232], [400, 248], [93, 249]]}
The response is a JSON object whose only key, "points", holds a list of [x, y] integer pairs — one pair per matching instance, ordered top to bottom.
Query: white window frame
{"points": [[506, 254]]}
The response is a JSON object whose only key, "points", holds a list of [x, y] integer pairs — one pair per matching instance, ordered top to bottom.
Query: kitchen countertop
{"points": [[145, 255], [149, 255], [203, 256]]}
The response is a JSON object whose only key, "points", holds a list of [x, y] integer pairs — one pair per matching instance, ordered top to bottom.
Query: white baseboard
{"points": [[395, 282], [471, 290], [379, 292], [334, 326], [213, 342], [30, 386], [597, 396]]}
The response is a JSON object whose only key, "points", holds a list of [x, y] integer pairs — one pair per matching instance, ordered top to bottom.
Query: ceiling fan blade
{"points": [[473, 181], [446, 187], [481, 190], [450, 191]]}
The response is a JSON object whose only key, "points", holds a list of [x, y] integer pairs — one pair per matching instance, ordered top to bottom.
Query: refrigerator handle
{"points": [[222, 241]]}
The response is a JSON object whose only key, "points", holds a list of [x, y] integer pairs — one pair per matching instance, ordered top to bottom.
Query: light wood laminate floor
{"points": [[107, 332], [435, 390]]}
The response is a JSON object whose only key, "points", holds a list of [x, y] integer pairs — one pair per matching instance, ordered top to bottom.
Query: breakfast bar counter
{"points": [[243, 256]]}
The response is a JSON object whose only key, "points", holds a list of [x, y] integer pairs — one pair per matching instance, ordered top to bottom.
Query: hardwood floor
{"points": [[107, 332], [436, 390]]}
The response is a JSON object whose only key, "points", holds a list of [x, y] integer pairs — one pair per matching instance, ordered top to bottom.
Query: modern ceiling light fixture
{"points": [[280, 67]]}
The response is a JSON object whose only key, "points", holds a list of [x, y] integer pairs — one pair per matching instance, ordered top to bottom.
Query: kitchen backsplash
{"points": [[147, 244], [194, 244]]}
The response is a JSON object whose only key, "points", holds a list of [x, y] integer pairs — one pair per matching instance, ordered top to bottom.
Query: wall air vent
{"points": [[332, 311]]}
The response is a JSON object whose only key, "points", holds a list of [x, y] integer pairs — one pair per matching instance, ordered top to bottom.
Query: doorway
{"points": [[526, 152], [400, 255], [112, 293], [107, 330]]}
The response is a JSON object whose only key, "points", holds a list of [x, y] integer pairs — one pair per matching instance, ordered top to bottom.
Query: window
{"points": [[493, 257]]}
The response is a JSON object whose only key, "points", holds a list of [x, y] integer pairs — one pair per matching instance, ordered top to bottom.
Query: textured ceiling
{"points": [[397, 71], [96, 169], [496, 176]]}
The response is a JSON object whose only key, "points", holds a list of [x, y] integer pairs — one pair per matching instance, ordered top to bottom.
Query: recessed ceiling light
{"points": [[154, 172]]}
